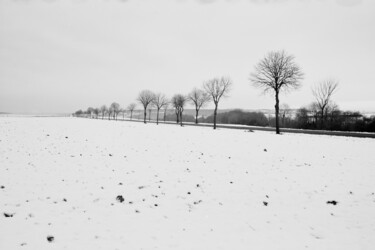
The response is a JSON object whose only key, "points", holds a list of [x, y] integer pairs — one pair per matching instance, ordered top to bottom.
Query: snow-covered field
{"points": [[183, 187]]}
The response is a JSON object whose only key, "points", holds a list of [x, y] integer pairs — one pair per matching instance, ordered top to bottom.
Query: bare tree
{"points": [[276, 72], [217, 88], [323, 93], [145, 98], [199, 98], [160, 100], [179, 102], [115, 108], [131, 108], [103, 110], [90, 111], [96, 112]]}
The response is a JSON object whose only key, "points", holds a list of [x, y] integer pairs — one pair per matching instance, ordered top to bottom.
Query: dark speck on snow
{"points": [[120, 198], [332, 202]]}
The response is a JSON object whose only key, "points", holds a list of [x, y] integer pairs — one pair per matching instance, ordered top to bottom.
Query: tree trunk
{"points": [[277, 112], [215, 114], [131, 115], [144, 115], [149, 115], [165, 115], [196, 116], [157, 117], [177, 117], [181, 118], [322, 118]]}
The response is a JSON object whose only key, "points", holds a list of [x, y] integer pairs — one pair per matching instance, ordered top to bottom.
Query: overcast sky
{"points": [[64, 55]]}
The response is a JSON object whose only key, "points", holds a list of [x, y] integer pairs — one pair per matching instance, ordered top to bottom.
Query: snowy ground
{"points": [[183, 187]]}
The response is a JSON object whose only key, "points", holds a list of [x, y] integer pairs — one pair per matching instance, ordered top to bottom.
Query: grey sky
{"points": [[60, 56]]}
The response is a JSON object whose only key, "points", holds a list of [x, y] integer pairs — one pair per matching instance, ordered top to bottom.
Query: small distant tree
{"points": [[276, 72], [217, 88], [323, 93], [145, 98], [199, 98], [160, 100], [178, 102], [115, 107], [131, 108], [103, 110], [90, 111], [96, 112], [78, 113]]}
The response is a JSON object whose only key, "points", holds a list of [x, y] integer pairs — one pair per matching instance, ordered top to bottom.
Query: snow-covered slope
{"points": [[183, 187]]}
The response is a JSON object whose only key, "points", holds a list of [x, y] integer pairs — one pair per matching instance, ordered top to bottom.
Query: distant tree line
{"points": [[277, 72], [212, 90]]}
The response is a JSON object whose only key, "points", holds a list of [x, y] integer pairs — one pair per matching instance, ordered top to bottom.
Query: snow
{"points": [[183, 187]]}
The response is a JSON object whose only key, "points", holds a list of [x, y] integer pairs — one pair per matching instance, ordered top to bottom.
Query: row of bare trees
{"points": [[275, 73], [212, 90]]}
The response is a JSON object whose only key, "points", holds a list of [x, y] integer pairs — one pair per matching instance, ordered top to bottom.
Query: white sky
{"points": [[64, 55]]}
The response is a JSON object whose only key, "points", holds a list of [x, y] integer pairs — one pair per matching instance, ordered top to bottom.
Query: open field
{"points": [[182, 187]]}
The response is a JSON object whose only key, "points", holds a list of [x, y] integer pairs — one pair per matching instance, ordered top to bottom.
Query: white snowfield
{"points": [[181, 187]]}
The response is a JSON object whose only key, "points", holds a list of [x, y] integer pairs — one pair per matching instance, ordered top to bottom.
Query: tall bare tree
{"points": [[276, 72], [217, 88], [323, 93], [145, 98], [199, 98], [160, 100], [178, 101], [115, 108], [131, 108], [103, 110]]}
